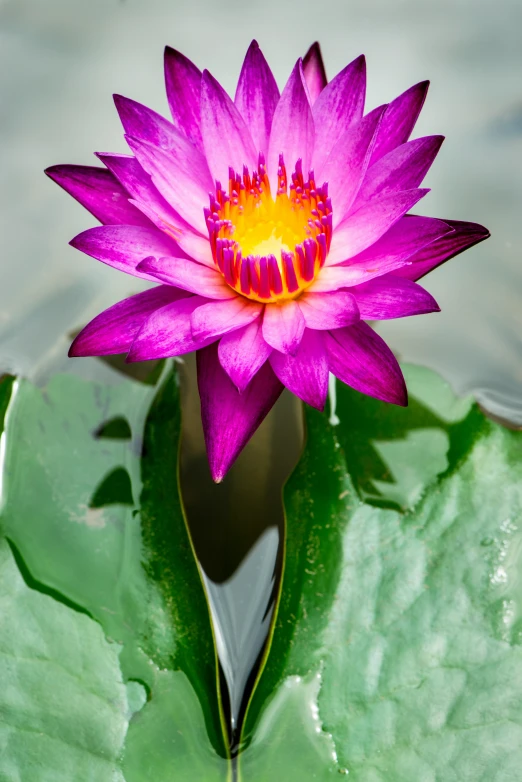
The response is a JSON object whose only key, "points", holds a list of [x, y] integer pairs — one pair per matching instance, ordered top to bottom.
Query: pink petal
{"points": [[314, 71], [183, 86], [257, 95], [339, 106], [399, 119], [147, 125], [292, 128], [226, 137], [346, 165], [401, 169], [181, 176], [98, 191], [151, 203], [363, 227], [124, 246], [389, 253], [429, 257], [188, 275], [391, 297], [325, 311], [219, 317], [283, 326], [113, 330], [167, 332], [243, 352], [362, 360], [306, 373], [230, 418]]}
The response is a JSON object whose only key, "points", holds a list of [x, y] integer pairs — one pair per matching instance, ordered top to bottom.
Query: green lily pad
{"points": [[93, 518], [396, 654], [64, 709]]}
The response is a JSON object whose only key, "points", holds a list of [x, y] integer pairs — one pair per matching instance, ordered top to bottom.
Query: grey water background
{"points": [[60, 62]]}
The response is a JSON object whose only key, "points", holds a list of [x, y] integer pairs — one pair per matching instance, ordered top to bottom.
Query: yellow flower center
{"points": [[270, 249]]}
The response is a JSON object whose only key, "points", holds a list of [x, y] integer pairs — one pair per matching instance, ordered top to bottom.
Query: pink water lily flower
{"points": [[276, 225]]}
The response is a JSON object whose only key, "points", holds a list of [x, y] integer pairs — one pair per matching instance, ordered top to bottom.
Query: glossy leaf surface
{"points": [[96, 547], [397, 651]]}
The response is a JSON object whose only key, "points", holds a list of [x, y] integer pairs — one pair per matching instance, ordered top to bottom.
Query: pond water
{"points": [[62, 59]]}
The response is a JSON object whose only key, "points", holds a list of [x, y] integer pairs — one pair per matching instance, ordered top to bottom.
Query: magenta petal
{"points": [[314, 71], [183, 86], [257, 95], [339, 106], [399, 119], [147, 125], [292, 132], [226, 137], [346, 165], [401, 169], [181, 175], [98, 191], [151, 203], [365, 226], [463, 236], [124, 246], [390, 252], [188, 275], [391, 297], [325, 311], [219, 317], [283, 326], [113, 330], [167, 332], [243, 352], [362, 360], [306, 373], [230, 418]]}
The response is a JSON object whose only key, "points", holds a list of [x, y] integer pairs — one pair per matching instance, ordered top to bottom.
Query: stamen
{"points": [[270, 249]]}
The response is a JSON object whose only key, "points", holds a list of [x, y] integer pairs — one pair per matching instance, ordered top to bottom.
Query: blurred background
{"points": [[62, 59], [60, 62]]}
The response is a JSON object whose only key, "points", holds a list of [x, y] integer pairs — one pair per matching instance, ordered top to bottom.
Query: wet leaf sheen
{"points": [[397, 652], [107, 658]]}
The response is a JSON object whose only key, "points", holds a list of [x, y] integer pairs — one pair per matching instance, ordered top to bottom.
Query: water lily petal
{"points": [[314, 71], [183, 86], [257, 95], [339, 106], [399, 119], [142, 123], [292, 132], [226, 137], [346, 165], [401, 169], [181, 176], [98, 191], [151, 203], [365, 226], [464, 235], [124, 246], [392, 251], [188, 275], [392, 297], [324, 311], [219, 317], [283, 326], [113, 330], [167, 332], [243, 352], [362, 360], [306, 373], [230, 418]]}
